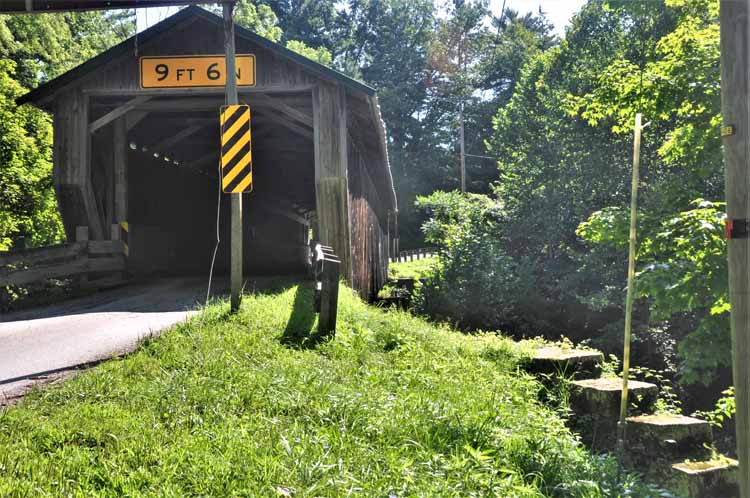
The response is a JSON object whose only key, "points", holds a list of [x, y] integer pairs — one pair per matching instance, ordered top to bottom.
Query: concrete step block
{"points": [[567, 362], [600, 398], [675, 436], [704, 479]]}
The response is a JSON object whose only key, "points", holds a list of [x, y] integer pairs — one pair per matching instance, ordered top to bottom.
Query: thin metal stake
{"points": [[622, 422]]}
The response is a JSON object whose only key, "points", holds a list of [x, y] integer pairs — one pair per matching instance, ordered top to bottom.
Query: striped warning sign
{"points": [[236, 156], [124, 232]]}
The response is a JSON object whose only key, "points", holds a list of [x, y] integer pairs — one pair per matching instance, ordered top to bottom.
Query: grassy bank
{"points": [[411, 269], [241, 406]]}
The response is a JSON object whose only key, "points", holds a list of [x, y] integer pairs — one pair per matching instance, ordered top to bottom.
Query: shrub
{"points": [[475, 284]]}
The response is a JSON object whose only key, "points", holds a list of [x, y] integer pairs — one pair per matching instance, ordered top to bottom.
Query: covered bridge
{"points": [[147, 158]]}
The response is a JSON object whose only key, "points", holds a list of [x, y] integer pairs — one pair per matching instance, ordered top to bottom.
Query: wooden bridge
{"points": [[128, 153]]}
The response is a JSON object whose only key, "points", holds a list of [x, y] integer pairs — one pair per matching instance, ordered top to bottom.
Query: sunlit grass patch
{"points": [[411, 269], [241, 405]]}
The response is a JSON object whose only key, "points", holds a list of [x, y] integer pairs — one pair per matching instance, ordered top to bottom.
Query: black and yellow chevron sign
{"points": [[236, 156]]}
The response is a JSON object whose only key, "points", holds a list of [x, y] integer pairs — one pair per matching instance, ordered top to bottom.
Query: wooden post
{"points": [[735, 133], [120, 165], [331, 170], [83, 172], [236, 199], [329, 296], [621, 424]]}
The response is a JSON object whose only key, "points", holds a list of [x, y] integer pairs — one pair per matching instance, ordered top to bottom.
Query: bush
{"points": [[475, 284]]}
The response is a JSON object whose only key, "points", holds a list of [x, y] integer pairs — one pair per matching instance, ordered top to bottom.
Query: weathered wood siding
{"points": [[197, 37], [331, 171], [369, 235]]}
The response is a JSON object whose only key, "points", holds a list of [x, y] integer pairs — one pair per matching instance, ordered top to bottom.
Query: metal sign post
{"points": [[235, 276]]}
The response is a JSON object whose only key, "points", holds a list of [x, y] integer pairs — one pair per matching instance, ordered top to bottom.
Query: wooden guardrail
{"points": [[414, 254], [81, 259], [326, 272]]}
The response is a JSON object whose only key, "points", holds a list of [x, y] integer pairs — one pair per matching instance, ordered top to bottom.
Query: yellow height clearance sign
{"points": [[194, 71], [236, 154]]}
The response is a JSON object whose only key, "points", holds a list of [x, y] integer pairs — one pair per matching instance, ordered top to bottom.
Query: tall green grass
{"points": [[412, 269], [243, 405]]}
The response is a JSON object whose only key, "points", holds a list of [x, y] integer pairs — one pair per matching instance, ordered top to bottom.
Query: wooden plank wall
{"points": [[369, 236]]}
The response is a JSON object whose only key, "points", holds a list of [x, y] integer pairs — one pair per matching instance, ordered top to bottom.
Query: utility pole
{"points": [[735, 133], [463, 149], [235, 276]]}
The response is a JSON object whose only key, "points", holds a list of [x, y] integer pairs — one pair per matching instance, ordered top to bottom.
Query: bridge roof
{"points": [[49, 88]]}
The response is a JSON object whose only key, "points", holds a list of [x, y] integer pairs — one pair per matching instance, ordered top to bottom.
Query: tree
{"points": [[261, 19], [313, 23], [46, 45], [36, 48], [29, 216], [682, 254]]}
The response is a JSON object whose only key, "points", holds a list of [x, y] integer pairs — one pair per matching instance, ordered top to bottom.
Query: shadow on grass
{"points": [[299, 332]]}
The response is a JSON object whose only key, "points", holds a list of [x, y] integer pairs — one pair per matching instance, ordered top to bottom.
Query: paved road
{"points": [[37, 344]]}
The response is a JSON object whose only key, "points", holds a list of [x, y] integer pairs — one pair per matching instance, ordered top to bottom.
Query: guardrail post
{"points": [[326, 268], [329, 296]]}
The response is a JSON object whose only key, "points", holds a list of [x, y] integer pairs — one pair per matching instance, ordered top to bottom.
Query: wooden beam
{"points": [[105, 92], [183, 105], [285, 109], [116, 113], [133, 118], [289, 125], [164, 145], [209, 156], [120, 166], [286, 213], [94, 219]]}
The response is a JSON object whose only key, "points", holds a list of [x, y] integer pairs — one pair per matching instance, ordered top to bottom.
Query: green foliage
{"points": [[258, 18], [314, 23], [46, 45], [36, 48], [409, 51], [320, 54], [564, 143], [29, 215], [412, 269], [682, 276], [475, 283], [220, 406], [725, 410]]}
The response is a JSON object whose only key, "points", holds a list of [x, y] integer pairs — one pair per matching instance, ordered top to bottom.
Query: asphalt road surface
{"points": [[43, 344]]}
